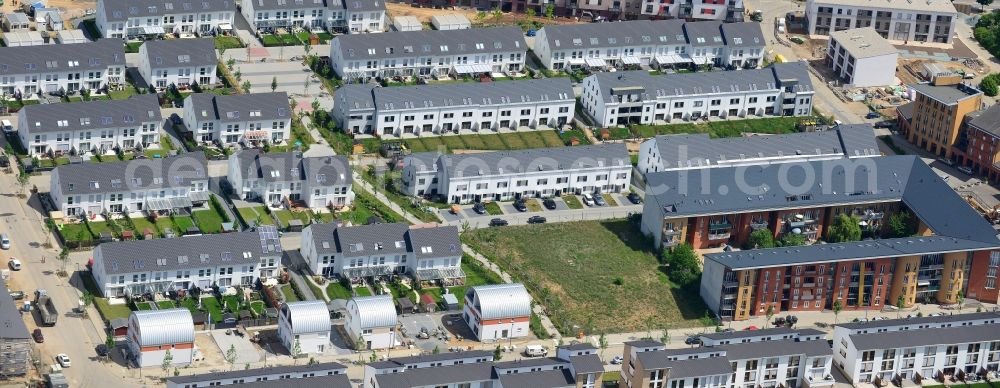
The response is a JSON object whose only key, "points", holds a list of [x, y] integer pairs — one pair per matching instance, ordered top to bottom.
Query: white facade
{"points": [[721, 10], [357, 17], [127, 19], [931, 21], [862, 58], [179, 62], [53, 68], [234, 119], [96, 126], [316, 182], [497, 312], [371, 322], [306, 325], [151, 334], [270, 373]]}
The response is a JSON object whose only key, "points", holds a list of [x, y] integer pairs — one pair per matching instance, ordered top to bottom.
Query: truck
{"points": [[46, 309]]}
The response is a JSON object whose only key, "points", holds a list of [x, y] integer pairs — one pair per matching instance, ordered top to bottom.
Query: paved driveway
{"points": [[245, 351]]}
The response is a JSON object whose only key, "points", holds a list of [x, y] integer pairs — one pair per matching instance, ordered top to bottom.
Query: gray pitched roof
{"points": [[264, 5], [363, 5], [121, 10], [16, 17], [705, 33], [618, 34], [743, 34], [411, 44], [180, 52], [58, 57], [681, 84], [458, 94], [947, 94], [356, 97], [240, 107], [906, 110], [95, 115], [988, 120], [858, 140], [548, 159], [422, 161], [293, 167], [133, 175], [362, 240], [365, 240], [440, 241], [168, 254], [987, 315], [12, 327], [775, 332], [926, 337], [744, 351], [403, 361], [528, 363], [588, 363], [707, 366], [257, 372], [443, 375], [543, 379], [335, 381]]}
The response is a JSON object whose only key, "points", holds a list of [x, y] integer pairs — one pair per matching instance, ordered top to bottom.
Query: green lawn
{"points": [[271, 40], [223, 43], [132, 47], [725, 128], [568, 136], [489, 141], [513, 141], [572, 201], [366, 205], [533, 205], [418, 209], [493, 209], [250, 215], [284, 216], [208, 220], [164, 223], [183, 223], [142, 224], [76, 232], [574, 266], [475, 275], [335, 290], [362, 291], [289, 293], [232, 303], [165, 304], [143, 306], [212, 306], [257, 307], [109, 311]]}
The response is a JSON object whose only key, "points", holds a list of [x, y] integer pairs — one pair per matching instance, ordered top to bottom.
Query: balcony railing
{"points": [[758, 225]]}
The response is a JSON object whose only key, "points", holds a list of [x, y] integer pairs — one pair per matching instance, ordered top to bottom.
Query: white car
{"points": [[588, 199], [4, 241], [15, 264], [63, 360]]}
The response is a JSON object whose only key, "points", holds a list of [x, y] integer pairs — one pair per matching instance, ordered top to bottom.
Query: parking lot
{"points": [[563, 212], [456, 333]]}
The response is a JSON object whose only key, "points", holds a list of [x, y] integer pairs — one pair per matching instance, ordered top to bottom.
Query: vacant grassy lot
{"points": [[716, 129], [499, 142], [572, 202], [493, 209], [573, 268]]}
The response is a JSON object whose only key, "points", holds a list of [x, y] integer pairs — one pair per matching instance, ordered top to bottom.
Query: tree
{"points": [[984, 4], [550, 11], [530, 13], [497, 15], [480, 17], [230, 63], [274, 83], [990, 84], [245, 86], [22, 182], [901, 225], [844, 229], [760, 239], [791, 240], [63, 259], [682, 264], [88, 299], [961, 300], [900, 304], [837, 307], [769, 313], [706, 321], [665, 336], [602, 342], [297, 350], [436, 350], [497, 353], [230, 356], [168, 360]]}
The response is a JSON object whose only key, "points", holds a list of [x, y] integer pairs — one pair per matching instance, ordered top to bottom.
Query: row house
{"points": [[729, 11], [344, 16], [129, 19], [925, 21], [657, 43], [428, 53], [179, 62], [25, 71], [637, 97], [458, 108], [240, 119], [100, 126], [700, 151], [501, 176], [291, 179], [143, 185], [426, 253], [950, 254], [180, 264], [795, 362], [277, 373]]}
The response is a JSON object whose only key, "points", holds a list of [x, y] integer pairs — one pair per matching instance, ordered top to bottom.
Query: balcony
{"points": [[758, 225], [819, 381]]}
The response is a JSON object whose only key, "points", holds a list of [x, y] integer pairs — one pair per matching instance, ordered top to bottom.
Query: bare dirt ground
{"points": [[71, 8], [425, 14]]}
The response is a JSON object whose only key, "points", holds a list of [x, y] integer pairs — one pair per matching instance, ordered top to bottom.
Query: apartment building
{"points": [[729, 11], [344, 16], [130, 19], [926, 21], [657, 43], [428, 53], [862, 58], [178, 62], [25, 71], [637, 97], [458, 108], [938, 112], [249, 119], [100, 126], [982, 130], [699, 151], [499, 176], [289, 178], [146, 185], [952, 243], [426, 253], [178, 264], [497, 312], [754, 361], [276, 373]]}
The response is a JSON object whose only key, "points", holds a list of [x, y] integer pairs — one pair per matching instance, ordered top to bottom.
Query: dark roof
{"points": [[263, 5], [360, 5], [121, 10], [705, 33], [618, 34], [743, 34], [409, 44], [180, 52], [51, 58], [457, 94], [947, 94], [240, 107], [906, 110], [94, 115], [988, 120], [858, 140], [538, 159], [293, 167], [133, 175], [396, 238], [440, 241], [166, 254], [922, 320], [11, 325], [774, 332], [925, 337], [644, 343], [579, 346], [743, 351], [441, 357], [529, 363], [588, 363], [697, 367], [258, 372], [419, 377], [544, 379], [335, 381]]}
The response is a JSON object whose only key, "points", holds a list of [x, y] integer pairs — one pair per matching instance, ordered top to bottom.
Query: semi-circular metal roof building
{"points": [[500, 301], [373, 311], [306, 317], [161, 327]]}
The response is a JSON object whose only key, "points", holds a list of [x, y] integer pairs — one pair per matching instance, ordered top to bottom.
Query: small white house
{"points": [[451, 21], [407, 23], [862, 58], [498, 311], [371, 321], [306, 324], [151, 334]]}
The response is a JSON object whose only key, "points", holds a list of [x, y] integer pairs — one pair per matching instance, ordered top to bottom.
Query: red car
{"points": [[37, 335]]}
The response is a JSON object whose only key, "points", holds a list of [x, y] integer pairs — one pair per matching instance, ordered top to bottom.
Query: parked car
{"points": [[532, 32], [872, 115], [885, 124], [6, 126], [966, 169], [634, 198], [588, 199], [599, 200], [549, 203], [520, 206], [479, 208], [536, 220], [498, 222], [4, 241], [14, 264], [17, 295], [37, 335], [692, 340], [102, 350], [535, 351], [63, 360], [617, 360]]}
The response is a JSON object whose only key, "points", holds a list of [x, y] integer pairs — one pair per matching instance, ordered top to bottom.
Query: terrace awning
{"points": [[225, 26], [153, 30], [672, 58], [630, 60], [575, 61], [595, 62], [472, 69], [256, 135], [199, 196], [156, 204], [369, 271], [439, 273]]}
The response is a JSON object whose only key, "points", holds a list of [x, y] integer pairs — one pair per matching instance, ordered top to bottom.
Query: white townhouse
{"points": [[729, 11], [345, 16], [137, 19], [924, 21], [657, 43], [428, 53], [862, 58], [179, 62], [25, 71], [637, 97], [457, 108], [249, 119], [98, 126], [698, 151], [541, 172], [277, 178], [143, 185], [426, 253], [182, 263], [497, 312], [371, 322], [306, 325], [276, 374]]}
